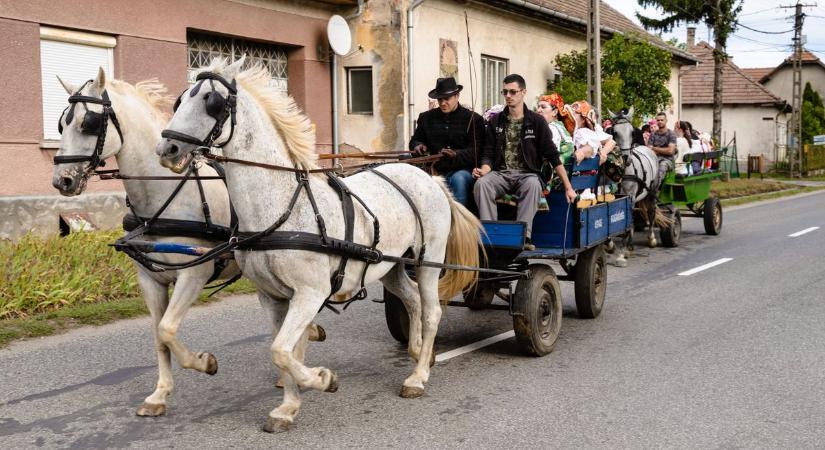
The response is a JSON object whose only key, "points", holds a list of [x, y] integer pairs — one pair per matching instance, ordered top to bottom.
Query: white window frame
{"points": [[493, 71], [49, 83], [349, 90]]}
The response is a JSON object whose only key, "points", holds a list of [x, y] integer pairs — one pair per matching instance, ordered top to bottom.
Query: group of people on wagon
{"points": [[503, 153]]}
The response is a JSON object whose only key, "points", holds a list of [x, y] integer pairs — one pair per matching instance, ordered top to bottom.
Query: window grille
{"points": [[202, 48]]}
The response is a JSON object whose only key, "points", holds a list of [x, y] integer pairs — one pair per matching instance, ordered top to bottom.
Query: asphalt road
{"points": [[729, 357]]}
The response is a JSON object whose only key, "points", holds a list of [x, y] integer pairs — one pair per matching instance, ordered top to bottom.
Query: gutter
{"points": [[410, 83]]}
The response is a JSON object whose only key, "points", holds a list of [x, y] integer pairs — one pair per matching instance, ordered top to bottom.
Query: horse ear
{"points": [[233, 69], [100, 80], [69, 87], [630, 112], [612, 114]]}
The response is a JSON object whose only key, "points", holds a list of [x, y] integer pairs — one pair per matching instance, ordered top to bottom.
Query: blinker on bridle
{"points": [[217, 107], [94, 124]]}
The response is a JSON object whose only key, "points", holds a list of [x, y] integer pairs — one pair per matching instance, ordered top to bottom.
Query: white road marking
{"points": [[800, 233], [706, 266], [474, 346]]}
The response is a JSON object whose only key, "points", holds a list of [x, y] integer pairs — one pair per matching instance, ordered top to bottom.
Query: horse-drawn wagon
{"points": [[691, 192], [525, 280]]}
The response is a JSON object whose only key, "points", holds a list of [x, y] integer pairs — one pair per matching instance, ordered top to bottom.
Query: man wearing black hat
{"points": [[454, 132]]}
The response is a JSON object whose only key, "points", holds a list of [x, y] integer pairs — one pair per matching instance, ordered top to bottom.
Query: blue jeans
{"points": [[460, 182]]}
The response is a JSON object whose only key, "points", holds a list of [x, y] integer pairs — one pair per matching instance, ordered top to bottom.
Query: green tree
{"points": [[719, 14], [634, 73], [813, 114]]}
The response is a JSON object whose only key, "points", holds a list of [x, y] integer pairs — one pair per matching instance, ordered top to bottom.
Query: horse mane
{"points": [[152, 92], [293, 125]]}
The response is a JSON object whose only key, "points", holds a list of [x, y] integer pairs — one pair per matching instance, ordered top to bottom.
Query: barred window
{"points": [[202, 48], [493, 71]]}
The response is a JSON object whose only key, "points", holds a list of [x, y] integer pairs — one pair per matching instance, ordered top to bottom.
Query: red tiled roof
{"points": [[611, 20], [806, 57], [757, 73], [738, 88]]}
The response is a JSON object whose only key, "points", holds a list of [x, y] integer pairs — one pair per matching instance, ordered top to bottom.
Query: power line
{"points": [[760, 11], [761, 31], [753, 40]]}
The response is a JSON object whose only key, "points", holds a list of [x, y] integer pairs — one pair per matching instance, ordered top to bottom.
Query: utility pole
{"points": [[594, 56], [796, 96]]}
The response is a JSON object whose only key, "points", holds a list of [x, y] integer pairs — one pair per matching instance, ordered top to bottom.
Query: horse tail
{"points": [[462, 247]]}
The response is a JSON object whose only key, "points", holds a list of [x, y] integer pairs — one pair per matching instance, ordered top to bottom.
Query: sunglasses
{"points": [[511, 92]]}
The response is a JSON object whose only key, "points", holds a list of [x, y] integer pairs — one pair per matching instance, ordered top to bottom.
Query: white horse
{"points": [[138, 111], [640, 180], [293, 284]]}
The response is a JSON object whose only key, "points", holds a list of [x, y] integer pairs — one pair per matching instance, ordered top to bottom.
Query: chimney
{"points": [[691, 37]]}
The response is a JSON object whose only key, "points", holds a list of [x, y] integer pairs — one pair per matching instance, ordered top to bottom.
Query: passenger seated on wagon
{"points": [[550, 106], [454, 132], [588, 140], [517, 142], [684, 146]]}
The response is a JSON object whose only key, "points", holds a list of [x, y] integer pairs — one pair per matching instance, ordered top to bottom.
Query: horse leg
{"points": [[651, 224], [621, 258], [189, 284], [399, 284], [156, 296], [413, 386], [283, 416]]}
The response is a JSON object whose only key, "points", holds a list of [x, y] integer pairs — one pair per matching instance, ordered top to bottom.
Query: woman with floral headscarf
{"points": [[549, 106]]}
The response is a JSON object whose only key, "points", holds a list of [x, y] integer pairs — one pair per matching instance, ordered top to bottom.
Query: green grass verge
{"points": [[777, 176], [770, 195], [73, 316]]}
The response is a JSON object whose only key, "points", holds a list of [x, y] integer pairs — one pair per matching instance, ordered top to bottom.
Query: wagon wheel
{"points": [[713, 216], [672, 234], [591, 282], [480, 295], [539, 298], [398, 321]]}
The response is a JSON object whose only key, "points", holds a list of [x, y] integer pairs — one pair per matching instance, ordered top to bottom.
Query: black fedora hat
{"points": [[445, 87]]}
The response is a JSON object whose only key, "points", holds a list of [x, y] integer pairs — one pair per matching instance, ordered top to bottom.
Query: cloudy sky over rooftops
{"points": [[753, 48]]}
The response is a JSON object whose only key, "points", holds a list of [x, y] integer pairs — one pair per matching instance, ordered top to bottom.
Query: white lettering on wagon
{"points": [[617, 216], [598, 224]]}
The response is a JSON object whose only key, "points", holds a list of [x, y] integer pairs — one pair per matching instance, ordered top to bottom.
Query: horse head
{"points": [[208, 105], [89, 134]]}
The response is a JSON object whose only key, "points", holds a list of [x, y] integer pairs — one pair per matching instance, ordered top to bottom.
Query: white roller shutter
{"points": [[75, 63]]}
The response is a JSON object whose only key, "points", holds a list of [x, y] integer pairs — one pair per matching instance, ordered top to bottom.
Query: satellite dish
{"points": [[340, 39]]}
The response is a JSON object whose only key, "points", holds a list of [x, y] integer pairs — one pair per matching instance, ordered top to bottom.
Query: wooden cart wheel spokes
{"points": [[712, 213], [672, 235], [591, 282], [480, 295], [539, 298], [398, 320]]}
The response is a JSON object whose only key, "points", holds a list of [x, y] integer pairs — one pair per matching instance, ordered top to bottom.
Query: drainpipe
{"points": [[410, 85], [335, 121]]}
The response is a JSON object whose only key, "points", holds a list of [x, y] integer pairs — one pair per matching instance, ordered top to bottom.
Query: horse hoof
{"points": [[651, 244], [322, 334], [211, 364], [333, 383], [279, 384], [411, 392], [151, 410], [276, 425]]}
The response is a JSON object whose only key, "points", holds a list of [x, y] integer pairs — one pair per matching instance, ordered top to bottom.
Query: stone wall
{"points": [[40, 214]]}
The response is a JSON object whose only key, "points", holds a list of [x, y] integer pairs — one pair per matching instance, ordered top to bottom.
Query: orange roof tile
{"points": [[757, 73], [738, 88]]}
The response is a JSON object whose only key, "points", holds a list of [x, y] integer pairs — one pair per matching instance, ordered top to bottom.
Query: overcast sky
{"points": [[752, 48]]}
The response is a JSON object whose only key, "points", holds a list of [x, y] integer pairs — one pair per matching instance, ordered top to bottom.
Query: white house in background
{"points": [[751, 113]]}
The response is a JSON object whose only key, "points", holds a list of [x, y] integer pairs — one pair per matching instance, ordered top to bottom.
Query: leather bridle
{"points": [[217, 107]]}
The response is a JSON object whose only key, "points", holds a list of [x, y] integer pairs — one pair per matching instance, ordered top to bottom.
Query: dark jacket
{"points": [[461, 130], [536, 141]]}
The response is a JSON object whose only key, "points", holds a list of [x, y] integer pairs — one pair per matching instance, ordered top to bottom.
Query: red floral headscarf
{"points": [[553, 99]]}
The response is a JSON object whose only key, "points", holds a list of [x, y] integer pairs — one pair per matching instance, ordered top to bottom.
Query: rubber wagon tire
{"points": [[712, 213], [672, 235], [591, 282], [539, 297], [398, 320]]}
